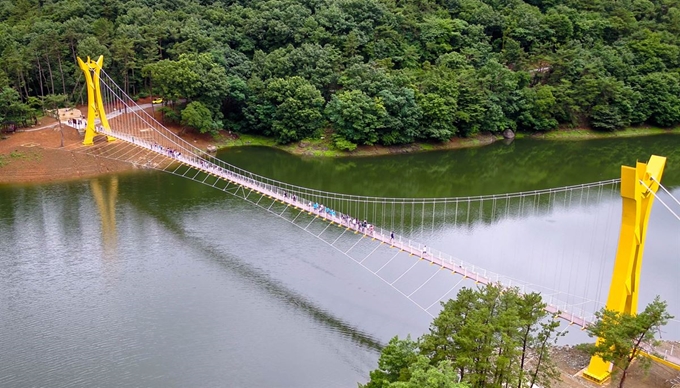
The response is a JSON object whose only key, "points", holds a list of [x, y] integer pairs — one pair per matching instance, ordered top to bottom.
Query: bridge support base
{"points": [[638, 185]]}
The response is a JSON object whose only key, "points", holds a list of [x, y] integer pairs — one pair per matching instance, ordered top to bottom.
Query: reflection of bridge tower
{"points": [[95, 105], [638, 187], [106, 203]]}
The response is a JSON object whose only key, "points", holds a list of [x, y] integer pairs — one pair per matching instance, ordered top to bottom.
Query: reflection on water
{"points": [[523, 165], [106, 205], [187, 237], [179, 310]]}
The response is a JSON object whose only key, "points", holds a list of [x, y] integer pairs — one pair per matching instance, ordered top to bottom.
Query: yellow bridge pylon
{"points": [[95, 104], [638, 187]]}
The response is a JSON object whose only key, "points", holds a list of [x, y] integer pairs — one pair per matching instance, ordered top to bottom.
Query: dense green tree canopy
{"points": [[418, 70], [289, 109], [196, 115], [486, 337]]}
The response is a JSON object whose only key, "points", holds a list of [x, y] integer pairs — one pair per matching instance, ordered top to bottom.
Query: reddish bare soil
{"points": [[35, 155]]}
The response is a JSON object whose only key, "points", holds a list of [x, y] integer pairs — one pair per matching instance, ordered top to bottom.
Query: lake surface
{"points": [[147, 279]]}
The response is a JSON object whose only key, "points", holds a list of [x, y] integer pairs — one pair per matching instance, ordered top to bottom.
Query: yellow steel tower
{"points": [[95, 105], [637, 193]]}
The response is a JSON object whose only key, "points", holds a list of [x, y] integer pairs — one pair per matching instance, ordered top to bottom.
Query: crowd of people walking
{"points": [[361, 226]]}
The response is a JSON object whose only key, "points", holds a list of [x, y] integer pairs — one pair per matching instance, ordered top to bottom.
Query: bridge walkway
{"points": [[149, 155]]}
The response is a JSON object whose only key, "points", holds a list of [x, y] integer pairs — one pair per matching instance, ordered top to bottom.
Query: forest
{"points": [[363, 71]]}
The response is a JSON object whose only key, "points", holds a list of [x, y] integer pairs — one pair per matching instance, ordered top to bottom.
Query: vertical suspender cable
{"points": [[434, 207], [413, 209], [535, 209], [365, 210], [481, 210], [375, 212], [356, 213], [455, 215], [402, 217], [392, 218], [422, 219], [467, 220], [444, 221], [593, 244], [603, 253]]}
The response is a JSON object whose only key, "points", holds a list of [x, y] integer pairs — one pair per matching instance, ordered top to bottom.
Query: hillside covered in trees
{"points": [[373, 71]]}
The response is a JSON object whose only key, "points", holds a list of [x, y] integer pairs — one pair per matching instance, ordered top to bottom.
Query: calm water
{"points": [[522, 165], [151, 280]]}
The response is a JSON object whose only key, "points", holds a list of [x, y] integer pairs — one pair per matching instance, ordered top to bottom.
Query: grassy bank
{"points": [[586, 134], [324, 147], [17, 156]]}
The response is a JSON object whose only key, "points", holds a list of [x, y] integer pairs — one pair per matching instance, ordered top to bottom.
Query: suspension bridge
{"points": [[362, 227]]}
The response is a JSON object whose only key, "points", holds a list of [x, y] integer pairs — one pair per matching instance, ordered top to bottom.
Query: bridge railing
{"points": [[554, 299]]}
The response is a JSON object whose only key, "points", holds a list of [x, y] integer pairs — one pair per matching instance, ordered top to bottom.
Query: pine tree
{"points": [[622, 337]]}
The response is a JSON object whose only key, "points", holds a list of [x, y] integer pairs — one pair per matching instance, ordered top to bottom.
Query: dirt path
{"points": [[35, 155]]}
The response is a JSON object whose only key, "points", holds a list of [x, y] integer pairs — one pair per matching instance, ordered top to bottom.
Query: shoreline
{"points": [[577, 134], [325, 148], [34, 155]]}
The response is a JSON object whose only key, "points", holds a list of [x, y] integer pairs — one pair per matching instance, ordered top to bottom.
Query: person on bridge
{"points": [[392, 237]]}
